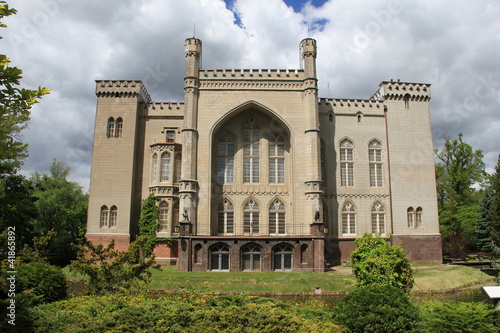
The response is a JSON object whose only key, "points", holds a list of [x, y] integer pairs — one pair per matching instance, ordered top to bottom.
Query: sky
{"points": [[66, 45]]}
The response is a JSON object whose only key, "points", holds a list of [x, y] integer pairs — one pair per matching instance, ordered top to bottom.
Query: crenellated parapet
{"points": [[282, 74], [122, 89], [397, 90]]}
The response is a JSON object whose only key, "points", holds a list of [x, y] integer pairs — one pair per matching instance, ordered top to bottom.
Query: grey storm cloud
{"points": [[66, 45]]}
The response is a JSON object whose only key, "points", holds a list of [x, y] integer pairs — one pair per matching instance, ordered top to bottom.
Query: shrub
{"points": [[375, 261], [42, 282], [377, 308], [143, 313], [459, 317]]}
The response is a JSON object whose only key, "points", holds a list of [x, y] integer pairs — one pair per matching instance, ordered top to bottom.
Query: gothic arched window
{"points": [[225, 153], [347, 163], [251, 217], [277, 217], [225, 218], [378, 218], [349, 219], [282, 257]]}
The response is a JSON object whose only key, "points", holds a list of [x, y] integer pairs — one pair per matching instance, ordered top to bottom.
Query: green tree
{"points": [[15, 106], [459, 169], [61, 206], [17, 210], [494, 212], [148, 224], [483, 232], [375, 261], [108, 270], [379, 309]]}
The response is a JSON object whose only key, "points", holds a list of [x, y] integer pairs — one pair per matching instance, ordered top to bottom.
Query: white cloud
{"points": [[66, 45]]}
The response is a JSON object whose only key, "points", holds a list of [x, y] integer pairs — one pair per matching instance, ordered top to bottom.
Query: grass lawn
{"points": [[428, 277]]}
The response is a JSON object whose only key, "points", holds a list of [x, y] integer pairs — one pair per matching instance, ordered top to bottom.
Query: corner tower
{"points": [[314, 186], [188, 187]]}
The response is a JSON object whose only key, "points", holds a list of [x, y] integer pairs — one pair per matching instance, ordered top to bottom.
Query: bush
{"points": [[375, 261], [40, 282], [377, 308], [143, 313], [459, 317]]}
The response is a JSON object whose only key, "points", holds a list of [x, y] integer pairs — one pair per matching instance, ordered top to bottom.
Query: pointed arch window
{"points": [[111, 128], [119, 128], [251, 138], [225, 152], [276, 159], [375, 160], [347, 163], [165, 167], [154, 168], [251, 213], [410, 213], [113, 214], [104, 216], [163, 216], [277, 217], [418, 217], [225, 218], [378, 218], [349, 219], [282, 257], [219, 258], [251, 258]]}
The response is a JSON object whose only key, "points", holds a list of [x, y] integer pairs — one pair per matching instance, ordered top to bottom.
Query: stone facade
{"points": [[254, 172]]}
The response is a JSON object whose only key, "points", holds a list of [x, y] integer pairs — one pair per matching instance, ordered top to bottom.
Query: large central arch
{"points": [[243, 163]]}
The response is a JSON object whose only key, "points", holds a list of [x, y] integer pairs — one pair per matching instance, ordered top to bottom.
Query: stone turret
{"points": [[188, 184]]}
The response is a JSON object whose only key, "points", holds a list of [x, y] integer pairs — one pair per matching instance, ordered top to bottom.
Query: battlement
{"points": [[276, 74], [122, 89], [397, 90], [359, 103], [166, 105]]}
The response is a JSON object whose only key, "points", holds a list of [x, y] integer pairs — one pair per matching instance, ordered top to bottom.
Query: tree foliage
{"points": [[15, 106], [459, 170], [61, 206], [493, 215], [148, 224], [376, 262], [109, 270], [377, 308], [169, 313], [459, 317]]}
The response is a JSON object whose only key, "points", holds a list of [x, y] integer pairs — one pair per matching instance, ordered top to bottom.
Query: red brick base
{"points": [[121, 242], [420, 249], [165, 254]]}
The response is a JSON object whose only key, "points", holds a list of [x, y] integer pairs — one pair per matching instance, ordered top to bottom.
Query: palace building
{"points": [[254, 172]]}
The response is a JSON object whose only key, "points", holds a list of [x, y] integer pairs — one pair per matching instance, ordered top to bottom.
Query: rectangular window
{"points": [[170, 136], [375, 158], [251, 163], [276, 163], [225, 167], [347, 173], [251, 222], [226, 223], [277, 223], [349, 223], [378, 224]]}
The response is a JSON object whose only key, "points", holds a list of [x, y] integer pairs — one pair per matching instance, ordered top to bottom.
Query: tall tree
{"points": [[15, 106], [459, 170], [61, 206], [494, 211]]}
